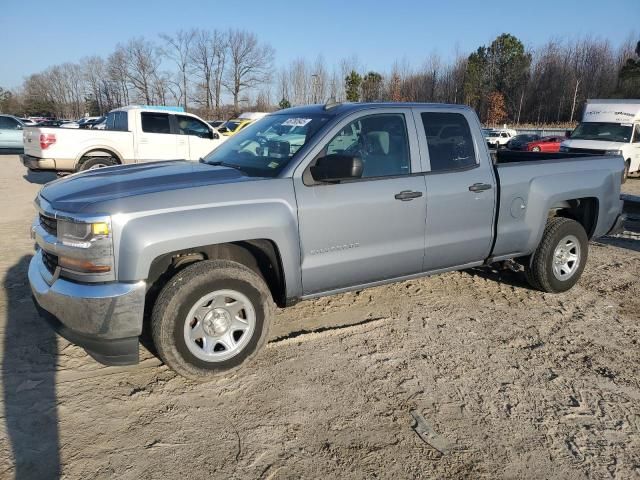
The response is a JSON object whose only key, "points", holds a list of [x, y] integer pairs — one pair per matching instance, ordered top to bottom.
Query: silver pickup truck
{"points": [[306, 202]]}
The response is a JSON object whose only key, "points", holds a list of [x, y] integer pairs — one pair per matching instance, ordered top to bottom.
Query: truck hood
{"points": [[593, 144], [76, 192]]}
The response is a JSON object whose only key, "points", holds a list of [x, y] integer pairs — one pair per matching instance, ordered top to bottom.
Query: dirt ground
{"points": [[507, 382]]}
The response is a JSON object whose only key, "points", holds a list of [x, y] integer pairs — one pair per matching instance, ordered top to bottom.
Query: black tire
{"points": [[95, 162], [625, 174], [540, 272], [179, 296]]}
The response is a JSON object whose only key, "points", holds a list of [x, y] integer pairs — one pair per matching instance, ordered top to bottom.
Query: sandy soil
{"points": [[507, 382]]}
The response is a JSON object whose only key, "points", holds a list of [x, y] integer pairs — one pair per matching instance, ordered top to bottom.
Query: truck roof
{"points": [[348, 107], [150, 108], [612, 110]]}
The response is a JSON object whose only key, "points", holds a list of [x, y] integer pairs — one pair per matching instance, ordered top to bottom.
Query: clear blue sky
{"points": [[37, 33]]}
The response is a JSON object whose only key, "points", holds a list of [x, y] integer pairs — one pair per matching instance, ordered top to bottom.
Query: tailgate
{"points": [[31, 136]]}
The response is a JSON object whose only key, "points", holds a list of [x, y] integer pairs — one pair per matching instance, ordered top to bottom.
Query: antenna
{"points": [[331, 103]]}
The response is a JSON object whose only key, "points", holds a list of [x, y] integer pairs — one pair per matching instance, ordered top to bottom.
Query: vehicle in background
{"points": [[27, 121], [94, 122], [51, 123], [80, 123], [215, 123], [233, 126], [609, 127], [11, 129], [131, 135], [498, 137], [519, 142], [546, 144], [377, 193]]}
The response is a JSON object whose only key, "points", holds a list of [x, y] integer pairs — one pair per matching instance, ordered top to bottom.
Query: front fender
{"points": [[143, 237]]}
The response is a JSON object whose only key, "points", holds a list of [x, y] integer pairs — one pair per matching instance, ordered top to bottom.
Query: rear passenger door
{"points": [[155, 140], [460, 189]]}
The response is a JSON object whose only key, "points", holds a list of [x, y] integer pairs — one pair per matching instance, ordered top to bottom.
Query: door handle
{"points": [[479, 187], [407, 195]]}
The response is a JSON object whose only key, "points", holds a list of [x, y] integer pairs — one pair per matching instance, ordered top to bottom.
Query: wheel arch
{"points": [[98, 152], [261, 255]]}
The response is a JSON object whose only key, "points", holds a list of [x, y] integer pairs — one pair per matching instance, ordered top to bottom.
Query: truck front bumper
{"points": [[104, 319]]}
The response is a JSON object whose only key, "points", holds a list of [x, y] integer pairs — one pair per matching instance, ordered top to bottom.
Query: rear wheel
{"points": [[91, 163], [560, 258], [210, 319]]}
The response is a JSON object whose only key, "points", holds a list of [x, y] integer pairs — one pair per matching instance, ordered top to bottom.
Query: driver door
{"points": [[198, 137], [368, 229]]}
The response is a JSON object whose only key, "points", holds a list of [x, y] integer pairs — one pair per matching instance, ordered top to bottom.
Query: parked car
{"points": [[27, 122], [94, 122], [80, 123], [215, 123], [231, 127], [610, 127], [11, 132], [132, 134], [498, 138], [519, 142], [546, 144], [377, 193]]}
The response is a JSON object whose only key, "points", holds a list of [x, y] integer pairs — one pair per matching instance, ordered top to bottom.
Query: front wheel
{"points": [[535, 149], [627, 167], [560, 258], [211, 318]]}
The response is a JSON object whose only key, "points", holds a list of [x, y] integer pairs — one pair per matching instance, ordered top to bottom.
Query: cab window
{"points": [[155, 122], [192, 126], [379, 140], [452, 147]]}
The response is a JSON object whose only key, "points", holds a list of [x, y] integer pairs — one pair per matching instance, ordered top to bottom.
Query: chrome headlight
{"points": [[613, 152], [82, 235]]}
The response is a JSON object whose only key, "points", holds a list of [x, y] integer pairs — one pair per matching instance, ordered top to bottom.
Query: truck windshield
{"points": [[609, 132], [265, 147]]}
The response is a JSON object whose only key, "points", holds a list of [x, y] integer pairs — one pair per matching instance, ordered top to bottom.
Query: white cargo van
{"points": [[609, 127]]}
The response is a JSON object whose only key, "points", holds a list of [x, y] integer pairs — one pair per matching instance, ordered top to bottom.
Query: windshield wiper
{"points": [[228, 165]]}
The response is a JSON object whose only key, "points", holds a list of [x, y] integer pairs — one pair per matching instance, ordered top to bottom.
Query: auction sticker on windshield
{"points": [[296, 122]]}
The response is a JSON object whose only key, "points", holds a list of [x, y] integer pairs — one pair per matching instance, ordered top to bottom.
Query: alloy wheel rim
{"points": [[566, 258], [219, 325]]}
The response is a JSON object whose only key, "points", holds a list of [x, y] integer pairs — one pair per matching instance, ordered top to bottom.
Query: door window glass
{"points": [[155, 122], [8, 123], [192, 126], [379, 140], [449, 140]]}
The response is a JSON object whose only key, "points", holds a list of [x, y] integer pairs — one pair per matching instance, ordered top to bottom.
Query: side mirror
{"points": [[215, 136], [335, 168]]}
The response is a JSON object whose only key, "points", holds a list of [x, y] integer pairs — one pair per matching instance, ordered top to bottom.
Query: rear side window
{"points": [[155, 122], [449, 140]]}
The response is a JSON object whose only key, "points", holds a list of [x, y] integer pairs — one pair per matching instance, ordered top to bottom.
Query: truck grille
{"points": [[590, 151], [49, 224], [50, 261]]}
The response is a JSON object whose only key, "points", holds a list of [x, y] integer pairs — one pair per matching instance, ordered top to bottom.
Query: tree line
{"points": [[220, 73]]}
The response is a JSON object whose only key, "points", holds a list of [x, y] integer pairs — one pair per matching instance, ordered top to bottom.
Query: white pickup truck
{"points": [[132, 134]]}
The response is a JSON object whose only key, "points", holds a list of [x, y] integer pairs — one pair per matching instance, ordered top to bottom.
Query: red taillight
{"points": [[47, 139]]}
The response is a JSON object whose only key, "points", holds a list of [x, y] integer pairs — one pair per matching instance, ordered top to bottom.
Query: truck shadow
{"points": [[40, 178], [506, 276], [29, 382]]}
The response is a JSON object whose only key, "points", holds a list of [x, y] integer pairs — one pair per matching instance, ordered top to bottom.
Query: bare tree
{"points": [[178, 48], [143, 62], [250, 63]]}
